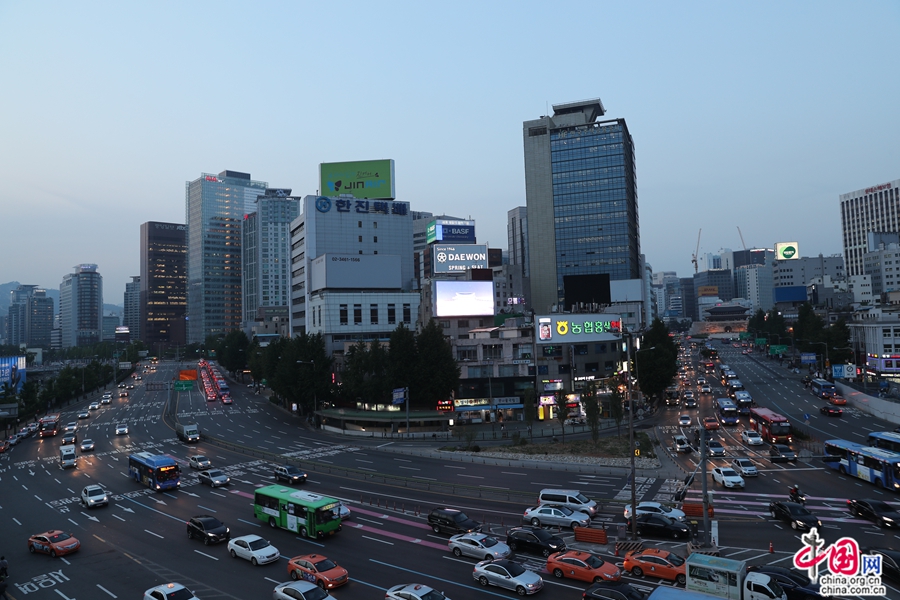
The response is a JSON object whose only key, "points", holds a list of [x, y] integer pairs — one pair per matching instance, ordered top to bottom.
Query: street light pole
{"points": [[631, 435]]}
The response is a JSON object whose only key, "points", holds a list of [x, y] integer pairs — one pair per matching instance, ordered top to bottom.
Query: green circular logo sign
{"points": [[788, 252]]}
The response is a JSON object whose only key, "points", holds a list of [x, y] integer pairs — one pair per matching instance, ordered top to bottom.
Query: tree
{"points": [[838, 339], [232, 353], [401, 354], [656, 364], [436, 371], [591, 404], [529, 410], [616, 410], [562, 412]]}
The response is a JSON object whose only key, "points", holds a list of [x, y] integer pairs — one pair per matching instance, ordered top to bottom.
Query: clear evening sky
{"points": [[750, 114]]}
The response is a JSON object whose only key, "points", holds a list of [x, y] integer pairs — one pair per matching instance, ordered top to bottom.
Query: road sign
{"points": [[777, 349], [808, 358], [843, 371], [184, 386], [399, 395]]}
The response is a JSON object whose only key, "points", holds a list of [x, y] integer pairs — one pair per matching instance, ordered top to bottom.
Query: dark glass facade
{"points": [[163, 285]]}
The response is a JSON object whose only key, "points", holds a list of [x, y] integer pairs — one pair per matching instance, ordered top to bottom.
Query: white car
{"points": [[706, 389], [107, 396], [106, 400], [94, 405], [684, 420], [122, 429], [752, 438], [681, 444], [87, 445], [200, 462], [744, 467], [727, 477], [213, 478], [93, 495], [655, 508], [342, 511], [253, 548], [299, 590], [169, 591], [413, 591]]}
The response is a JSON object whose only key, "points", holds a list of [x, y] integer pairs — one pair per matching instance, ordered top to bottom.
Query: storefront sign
{"points": [[576, 329]]}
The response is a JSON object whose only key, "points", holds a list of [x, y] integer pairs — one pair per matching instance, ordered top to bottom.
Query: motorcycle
{"points": [[796, 496]]}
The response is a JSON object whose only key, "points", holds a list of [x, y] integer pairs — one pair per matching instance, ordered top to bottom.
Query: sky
{"points": [[751, 115]]}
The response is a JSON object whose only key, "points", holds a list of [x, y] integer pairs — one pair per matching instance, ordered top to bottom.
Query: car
{"points": [[138, 377], [701, 380], [121, 386], [130, 386], [123, 394], [688, 394], [107, 395], [105, 400], [226, 400], [837, 400], [690, 403], [94, 405], [831, 411], [84, 415], [684, 420], [710, 423], [70, 427], [122, 429], [69, 438], [752, 438], [13, 440], [681, 443], [4, 445], [87, 445], [715, 448], [782, 453], [199, 462], [744, 467], [290, 474], [727, 477], [213, 478], [94, 495], [654, 508], [343, 511], [878, 511], [549, 514], [797, 515], [452, 521], [660, 526], [207, 528], [534, 540], [54, 542], [478, 545], [253, 548], [655, 561], [890, 561], [584, 566], [317, 569], [507, 574], [795, 584], [299, 590], [169, 591], [413, 591], [612, 591]]}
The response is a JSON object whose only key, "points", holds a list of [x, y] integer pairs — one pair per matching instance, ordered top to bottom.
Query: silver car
{"points": [[214, 478], [553, 514], [478, 545], [507, 574]]}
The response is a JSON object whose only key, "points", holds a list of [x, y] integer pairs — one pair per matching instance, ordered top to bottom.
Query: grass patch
{"points": [[607, 447]]}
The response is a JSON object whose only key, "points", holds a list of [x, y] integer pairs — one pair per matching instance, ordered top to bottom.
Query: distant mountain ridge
{"points": [[6, 288]]}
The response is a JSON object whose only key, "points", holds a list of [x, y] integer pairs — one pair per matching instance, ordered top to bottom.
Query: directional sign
{"points": [[184, 386], [399, 396]]}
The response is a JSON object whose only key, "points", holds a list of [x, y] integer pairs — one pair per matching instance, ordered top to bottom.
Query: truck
{"points": [[50, 424], [187, 432], [67, 457], [727, 578]]}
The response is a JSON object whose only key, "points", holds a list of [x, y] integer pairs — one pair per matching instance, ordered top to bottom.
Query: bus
{"points": [[722, 369], [734, 385], [822, 389], [673, 395], [744, 401], [727, 411], [50, 425], [772, 427], [884, 439], [876, 465], [157, 472], [304, 513]]}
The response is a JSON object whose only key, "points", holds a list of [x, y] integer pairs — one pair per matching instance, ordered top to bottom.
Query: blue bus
{"points": [[822, 389], [744, 401], [727, 411], [884, 439], [876, 465], [157, 472]]}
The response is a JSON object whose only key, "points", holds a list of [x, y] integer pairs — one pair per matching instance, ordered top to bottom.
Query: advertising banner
{"points": [[361, 179], [443, 230], [786, 251], [458, 259], [356, 271], [708, 291], [463, 298], [577, 329], [124, 365], [12, 372]]}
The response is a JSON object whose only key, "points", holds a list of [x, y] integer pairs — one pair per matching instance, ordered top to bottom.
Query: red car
{"points": [[710, 423], [53, 542], [657, 563], [583, 566], [317, 569]]}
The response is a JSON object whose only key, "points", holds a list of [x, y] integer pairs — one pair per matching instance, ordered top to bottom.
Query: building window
{"points": [[360, 223], [375, 224], [360, 238], [375, 239], [343, 314], [357, 314], [373, 314], [407, 314], [392, 315], [462, 323], [444, 324], [580, 349], [492, 351], [466, 353], [508, 370]]}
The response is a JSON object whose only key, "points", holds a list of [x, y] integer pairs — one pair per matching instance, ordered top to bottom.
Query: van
{"points": [[67, 457], [572, 499], [452, 521]]}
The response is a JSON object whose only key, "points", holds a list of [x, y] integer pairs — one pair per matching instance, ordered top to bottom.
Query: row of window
{"points": [[374, 311]]}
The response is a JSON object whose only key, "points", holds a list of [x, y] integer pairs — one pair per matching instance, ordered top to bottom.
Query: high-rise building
{"points": [[581, 195], [215, 208], [871, 209], [517, 240], [266, 253], [754, 282], [163, 299], [81, 307], [132, 315], [30, 317], [110, 323]]}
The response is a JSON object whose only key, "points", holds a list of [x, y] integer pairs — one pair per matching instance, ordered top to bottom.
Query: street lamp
{"points": [[315, 391]]}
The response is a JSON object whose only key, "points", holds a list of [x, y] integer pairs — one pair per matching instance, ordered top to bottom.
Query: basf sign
{"points": [[364, 179], [443, 230], [786, 251], [458, 259], [577, 329]]}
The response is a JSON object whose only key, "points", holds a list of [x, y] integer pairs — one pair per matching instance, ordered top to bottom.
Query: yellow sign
{"points": [[708, 290], [562, 327], [637, 451]]}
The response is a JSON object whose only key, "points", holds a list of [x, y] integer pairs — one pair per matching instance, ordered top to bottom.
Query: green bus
{"points": [[305, 513]]}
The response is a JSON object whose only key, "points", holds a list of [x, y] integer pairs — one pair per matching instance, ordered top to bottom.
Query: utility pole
{"points": [[631, 437], [706, 532]]}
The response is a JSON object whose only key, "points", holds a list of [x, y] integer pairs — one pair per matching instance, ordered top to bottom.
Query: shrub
{"points": [[476, 448]]}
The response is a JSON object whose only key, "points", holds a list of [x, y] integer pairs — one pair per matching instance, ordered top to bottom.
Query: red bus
{"points": [[50, 425], [774, 428]]}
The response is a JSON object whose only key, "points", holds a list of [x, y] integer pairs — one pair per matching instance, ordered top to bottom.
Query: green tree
{"points": [[838, 339], [232, 353], [401, 354], [655, 363], [436, 370], [353, 377], [592, 409], [616, 409], [529, 411], [562, 412]]}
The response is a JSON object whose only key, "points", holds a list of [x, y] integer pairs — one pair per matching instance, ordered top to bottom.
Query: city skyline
{"points": [[733, 111]]}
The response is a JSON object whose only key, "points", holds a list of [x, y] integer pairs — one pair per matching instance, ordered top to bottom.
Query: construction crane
{"points": [[742, 238], [694, 257]]}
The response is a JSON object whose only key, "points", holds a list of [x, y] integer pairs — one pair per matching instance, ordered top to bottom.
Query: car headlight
{"points": [[888, 519], [611, 575]]}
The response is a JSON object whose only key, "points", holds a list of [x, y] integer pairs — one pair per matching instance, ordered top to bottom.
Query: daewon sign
{"points": [[560, 329]]}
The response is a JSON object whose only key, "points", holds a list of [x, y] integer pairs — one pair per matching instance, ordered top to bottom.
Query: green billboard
{"points": [[372, 179]]}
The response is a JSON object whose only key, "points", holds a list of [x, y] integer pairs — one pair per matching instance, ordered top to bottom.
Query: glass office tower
{"points": [[163, 286]]}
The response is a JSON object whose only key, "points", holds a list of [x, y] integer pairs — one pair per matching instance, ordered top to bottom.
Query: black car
{"points": [[831, 411], [70, 438], [782, 452], [289, 473], [879, 511], [795, 514], [452, 521], [660, 526], [209, 529], [534, 540], [890, 561], [795, 584], [613, 590]]}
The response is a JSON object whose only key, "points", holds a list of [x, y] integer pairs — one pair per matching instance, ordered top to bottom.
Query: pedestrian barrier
{"points": [[695, 509], [591, 535], [623, 548]]}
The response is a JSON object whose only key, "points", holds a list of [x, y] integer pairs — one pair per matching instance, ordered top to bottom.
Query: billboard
{"points": [[360, 179], [443, 230], [786, 251], [458, 259], [355, 271], [705, 291], [463, 298], [577, 329], [12, 372]]}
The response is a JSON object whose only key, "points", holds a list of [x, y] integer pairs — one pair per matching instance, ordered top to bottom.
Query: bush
{"points": [[523, 441], [476, 448]]}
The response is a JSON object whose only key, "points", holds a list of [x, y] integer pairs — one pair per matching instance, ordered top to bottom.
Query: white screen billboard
{"points": [[355, 271], [463, 298]]}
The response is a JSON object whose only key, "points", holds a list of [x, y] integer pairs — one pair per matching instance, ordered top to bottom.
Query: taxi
{"points": [[838, 400], [710, 423], [53, 542], [657, 563], [582, 565], [317, 569]]}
